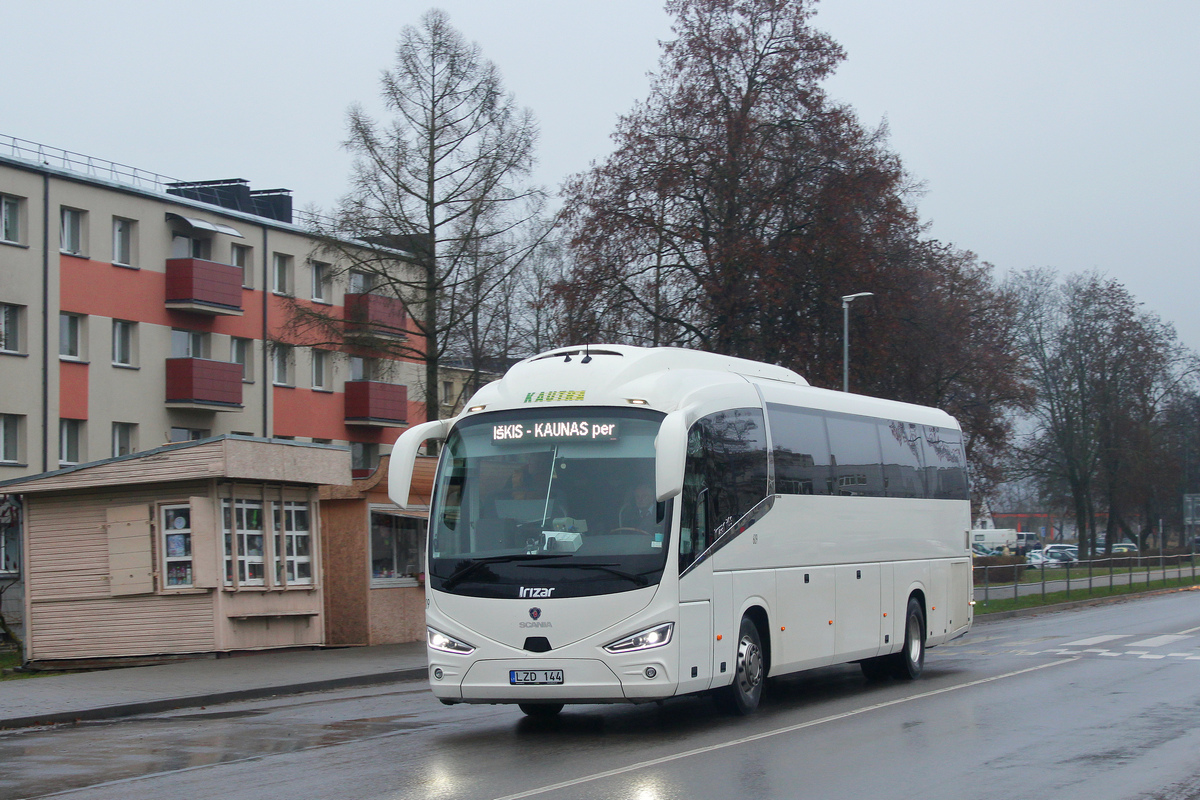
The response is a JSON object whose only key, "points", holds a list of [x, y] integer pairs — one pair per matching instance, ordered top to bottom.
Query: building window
{"points": [[10, 219], [71, 231], [123, 232], [191, 247], [240, 258], [281, 274], [321, 282], [361, 282], [10, 328], [70, 336], [123, 341], [188, 344], [241, 352], [281, 360], [320, 369], [363, 369], [447, 393], [188, 434], [10, 438], [124, 438], [70, 442], [364, 456], [243, 528], [397, 545], [177, 546], [10, 547], [293, 549]]}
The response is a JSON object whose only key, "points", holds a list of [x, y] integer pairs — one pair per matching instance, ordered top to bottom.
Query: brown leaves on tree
{"points": [[741, 204]]}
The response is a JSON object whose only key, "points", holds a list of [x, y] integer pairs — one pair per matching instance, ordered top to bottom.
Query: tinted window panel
{"points": [[801, 450], [903, 459], [857, 468], [946, 471]]}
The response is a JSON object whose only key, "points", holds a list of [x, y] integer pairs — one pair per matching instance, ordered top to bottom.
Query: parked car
{"points": [[1124, 547], [1069, 549], [982, 551], [1035, 559], [1041, 559]]}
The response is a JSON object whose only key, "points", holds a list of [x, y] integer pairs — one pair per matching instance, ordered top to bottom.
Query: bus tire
{"points": [[908, 663], [743, 695], [541, 710]]}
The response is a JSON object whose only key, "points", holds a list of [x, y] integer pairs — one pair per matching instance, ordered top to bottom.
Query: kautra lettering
{"points": [[572, 396]]}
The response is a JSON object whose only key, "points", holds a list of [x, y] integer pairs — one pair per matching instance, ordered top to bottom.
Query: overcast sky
{"points": [[1058, 133]]}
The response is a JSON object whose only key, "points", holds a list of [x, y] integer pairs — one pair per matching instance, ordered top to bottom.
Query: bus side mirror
{"points": [[670, 455], [404, 456]]}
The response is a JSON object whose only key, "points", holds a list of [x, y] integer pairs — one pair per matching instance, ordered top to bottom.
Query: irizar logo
{"points": [[535, 591]]}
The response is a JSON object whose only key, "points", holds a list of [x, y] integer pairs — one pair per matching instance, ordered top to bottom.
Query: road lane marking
{"points": [[1189, 630], [1098, 640], [1159, 641], [768, 734]]}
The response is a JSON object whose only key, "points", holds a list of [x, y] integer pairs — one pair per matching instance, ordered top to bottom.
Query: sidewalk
{"points": [[104, 694]]}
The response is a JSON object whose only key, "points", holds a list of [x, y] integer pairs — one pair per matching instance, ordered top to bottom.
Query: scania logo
{"points": [[534, 613]]}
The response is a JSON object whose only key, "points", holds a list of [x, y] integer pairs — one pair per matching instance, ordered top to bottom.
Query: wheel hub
{"points": [[749, 665]]}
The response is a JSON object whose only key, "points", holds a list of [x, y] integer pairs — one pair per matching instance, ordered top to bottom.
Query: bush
{"points": [[1000, 569]]}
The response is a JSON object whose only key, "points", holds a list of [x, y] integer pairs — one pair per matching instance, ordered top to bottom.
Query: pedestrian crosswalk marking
{"points": [[1097, 640], [1159, 641], [1138, 648]]}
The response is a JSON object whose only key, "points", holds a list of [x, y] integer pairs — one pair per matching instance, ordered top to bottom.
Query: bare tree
{"points": [[439, 197], [1104, 372]]}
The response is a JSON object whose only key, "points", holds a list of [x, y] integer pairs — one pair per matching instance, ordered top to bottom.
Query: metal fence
{"points": [[87, 165], [1078, 579]]}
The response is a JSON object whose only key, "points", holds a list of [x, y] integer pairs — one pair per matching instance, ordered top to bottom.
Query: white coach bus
{"points": [[617, 524]]}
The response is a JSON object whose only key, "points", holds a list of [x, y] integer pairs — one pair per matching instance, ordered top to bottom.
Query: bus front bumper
{"points": [[583, 681]]}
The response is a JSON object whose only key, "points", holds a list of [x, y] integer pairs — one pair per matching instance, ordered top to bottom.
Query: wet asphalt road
{"points": [[1102, 702]]}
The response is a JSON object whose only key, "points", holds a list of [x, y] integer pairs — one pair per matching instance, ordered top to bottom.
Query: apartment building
{"points": [[137, 310]]}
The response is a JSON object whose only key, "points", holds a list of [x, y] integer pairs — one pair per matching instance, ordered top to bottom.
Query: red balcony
{"points": [[203, 287], [374, 315], [205, 384], [375, 403]]}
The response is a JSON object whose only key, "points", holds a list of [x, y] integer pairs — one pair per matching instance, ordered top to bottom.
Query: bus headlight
{"points": [[643, 640], [440, 641]]}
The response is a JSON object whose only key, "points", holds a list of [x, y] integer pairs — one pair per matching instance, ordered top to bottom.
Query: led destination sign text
{"points": [[556, 431]]}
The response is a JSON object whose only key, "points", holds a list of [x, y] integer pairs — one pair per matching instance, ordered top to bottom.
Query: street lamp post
{"points": [[846, 300]]}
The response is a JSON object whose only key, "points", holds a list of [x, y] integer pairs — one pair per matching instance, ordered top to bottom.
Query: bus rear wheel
{"points": [[908, 663], [743, 695], [541, 710]]}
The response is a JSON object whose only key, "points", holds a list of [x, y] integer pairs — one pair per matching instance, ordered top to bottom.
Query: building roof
{"points": [[219, 457]]}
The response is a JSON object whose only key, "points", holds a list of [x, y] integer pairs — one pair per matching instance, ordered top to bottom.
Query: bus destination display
{"points": [[559, 430]]}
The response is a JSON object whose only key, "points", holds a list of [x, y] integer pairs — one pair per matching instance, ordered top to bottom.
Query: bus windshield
{"points": [[557, 500]]}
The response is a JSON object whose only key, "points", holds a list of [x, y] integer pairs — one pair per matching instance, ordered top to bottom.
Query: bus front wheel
{"points": [[909, 662], [742, 696]]}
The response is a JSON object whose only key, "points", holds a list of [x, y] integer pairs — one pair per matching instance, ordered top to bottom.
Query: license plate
{"points": [[535, 677]]}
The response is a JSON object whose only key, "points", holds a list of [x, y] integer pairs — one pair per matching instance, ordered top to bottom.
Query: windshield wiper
{"points": [[466, 570], [639, 580]]}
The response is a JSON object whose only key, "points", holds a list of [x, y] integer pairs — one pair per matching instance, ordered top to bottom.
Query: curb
{"points": [[1095, 601], [215, 698]]}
